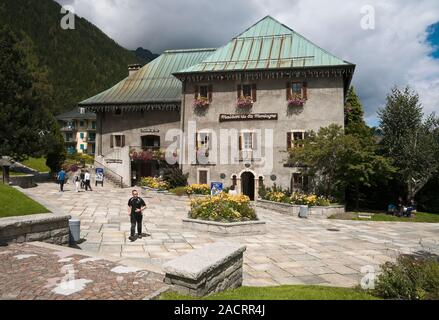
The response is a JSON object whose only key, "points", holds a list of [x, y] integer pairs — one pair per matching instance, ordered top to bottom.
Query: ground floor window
{"points": [[295, 139], [117, 141], [299, 183]]}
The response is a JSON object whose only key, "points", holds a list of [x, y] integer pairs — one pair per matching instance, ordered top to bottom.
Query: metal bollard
{"points": [[303, 212], [75, 230]]}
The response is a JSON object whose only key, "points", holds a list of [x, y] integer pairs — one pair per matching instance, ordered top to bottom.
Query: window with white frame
{"points": [[295, 139]]}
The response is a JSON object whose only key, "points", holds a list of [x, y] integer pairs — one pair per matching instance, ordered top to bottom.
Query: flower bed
{"points": [[154, 183], [198, 189], [297, 199], [281, 201], [223, 208], [224, 214]]}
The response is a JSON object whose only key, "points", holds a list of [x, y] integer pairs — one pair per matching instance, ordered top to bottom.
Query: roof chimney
{"points": [[133, 68]]}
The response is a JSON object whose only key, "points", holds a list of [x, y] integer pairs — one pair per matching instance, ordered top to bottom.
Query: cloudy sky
{"points": [[402, 48]]}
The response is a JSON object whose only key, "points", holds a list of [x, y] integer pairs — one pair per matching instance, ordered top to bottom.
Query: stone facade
{"points": [[325, 106], [132, 126], [293, 210], [47, 228], [226, 229], [208, 270]]}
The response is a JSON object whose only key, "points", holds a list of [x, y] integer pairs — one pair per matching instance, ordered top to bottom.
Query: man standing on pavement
{"points": [[87, 178], [136, 206]]}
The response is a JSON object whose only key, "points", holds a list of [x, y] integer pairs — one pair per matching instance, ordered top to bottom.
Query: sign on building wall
{"points": [[249, 117]]}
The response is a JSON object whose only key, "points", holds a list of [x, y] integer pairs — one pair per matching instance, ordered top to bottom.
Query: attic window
{"points": [[81, 110]]}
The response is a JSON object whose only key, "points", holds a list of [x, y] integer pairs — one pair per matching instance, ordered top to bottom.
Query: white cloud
{"points": [[395, 53]]}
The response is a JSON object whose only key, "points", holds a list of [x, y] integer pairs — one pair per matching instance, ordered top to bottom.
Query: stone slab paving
{"points": [[293, 251], [46, 272]]}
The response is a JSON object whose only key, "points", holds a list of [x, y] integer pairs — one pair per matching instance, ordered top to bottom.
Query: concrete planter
{"points": [[294, 210], [226, 229]]}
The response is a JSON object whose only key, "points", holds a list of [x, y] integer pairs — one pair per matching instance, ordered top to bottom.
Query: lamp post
{"points": [[5, 164]]}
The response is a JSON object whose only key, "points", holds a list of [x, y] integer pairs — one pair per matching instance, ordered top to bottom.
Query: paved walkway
{"points": [[294, 251], [46, 272]]}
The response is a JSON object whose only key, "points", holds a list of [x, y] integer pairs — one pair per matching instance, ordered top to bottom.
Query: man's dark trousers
{"points": [[61, 185], [136, 218]]}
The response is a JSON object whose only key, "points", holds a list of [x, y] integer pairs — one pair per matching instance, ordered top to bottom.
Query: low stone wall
{"points": [[25, 182], [293, 210], [49, 228], [226, 229], [214, 268]]}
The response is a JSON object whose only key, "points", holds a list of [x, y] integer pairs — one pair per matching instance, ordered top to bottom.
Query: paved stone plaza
{"points": [[293, 251], [46, 272]]}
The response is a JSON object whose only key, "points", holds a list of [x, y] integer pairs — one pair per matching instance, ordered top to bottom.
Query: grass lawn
{"points": [[38, 164], [14, 203], [419, 217], [281, 293]]}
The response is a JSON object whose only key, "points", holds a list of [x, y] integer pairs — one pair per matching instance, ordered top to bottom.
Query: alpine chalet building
{"points": [[240, 108]]}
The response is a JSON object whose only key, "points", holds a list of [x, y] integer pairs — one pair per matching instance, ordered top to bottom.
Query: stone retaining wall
{"points": [[25, 182], [293, 210], [47, 228], [226, 229], [214, 268]]}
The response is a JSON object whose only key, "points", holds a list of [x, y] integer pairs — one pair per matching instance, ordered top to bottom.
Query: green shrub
{"points": [[175, 177], [179, 191], [223, 208], [410, 278]]}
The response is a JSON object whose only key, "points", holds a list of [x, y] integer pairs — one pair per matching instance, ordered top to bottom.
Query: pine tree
{"points": [[26, 124]]}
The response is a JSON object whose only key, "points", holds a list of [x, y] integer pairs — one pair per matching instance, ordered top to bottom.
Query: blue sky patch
{"points": [[433, 38]]}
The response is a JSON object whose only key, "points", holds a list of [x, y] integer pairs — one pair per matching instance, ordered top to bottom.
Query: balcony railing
{"points": [[68, 128], [70, 141], [146, 153]]}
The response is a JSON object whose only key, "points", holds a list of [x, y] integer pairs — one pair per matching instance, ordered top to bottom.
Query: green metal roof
{"points": [[266, 45], [154, 83]]}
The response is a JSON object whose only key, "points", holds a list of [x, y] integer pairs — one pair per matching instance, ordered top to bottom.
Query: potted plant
{"points": [[296, 101], [201, 102], [244, 102]]}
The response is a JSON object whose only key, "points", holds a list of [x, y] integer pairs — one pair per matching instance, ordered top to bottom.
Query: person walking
{"points": [[61, 177], [82, 177], [87, 178], [77, 181], [136, 206]]}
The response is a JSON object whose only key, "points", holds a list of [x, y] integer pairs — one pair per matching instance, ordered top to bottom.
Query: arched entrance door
{"points": [[248, 185]]}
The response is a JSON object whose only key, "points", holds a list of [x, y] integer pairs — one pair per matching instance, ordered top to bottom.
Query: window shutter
{"points": [[288, 90], [305, 90], [196, 92], [210, 93], [254, 95], [289, 140], [111, 141], [123, 141], [196, 141], [255, 141], [240, 142]]}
